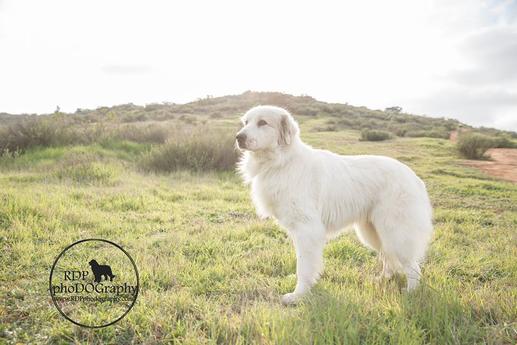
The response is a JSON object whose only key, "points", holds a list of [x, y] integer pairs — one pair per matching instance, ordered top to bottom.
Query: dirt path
{"points": [[503, 164]]}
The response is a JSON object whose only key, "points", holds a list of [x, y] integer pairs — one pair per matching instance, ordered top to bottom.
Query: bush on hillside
{"points": [[44, 131], [49, 131], [150, 134], [374, 135], [504, 142], [474, 145], [193, 151]]}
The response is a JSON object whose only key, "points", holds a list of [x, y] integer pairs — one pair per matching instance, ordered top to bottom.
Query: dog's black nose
{"points": [[241, 139]]}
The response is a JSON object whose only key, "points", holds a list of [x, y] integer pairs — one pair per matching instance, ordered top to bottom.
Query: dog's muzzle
{"points": [[241, 140]]}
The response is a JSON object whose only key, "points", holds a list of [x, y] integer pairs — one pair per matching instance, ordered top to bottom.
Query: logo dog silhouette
{"points": [[101, 270]]}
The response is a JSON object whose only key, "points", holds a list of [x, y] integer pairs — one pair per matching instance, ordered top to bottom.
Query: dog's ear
{"points": [[288, 130]]}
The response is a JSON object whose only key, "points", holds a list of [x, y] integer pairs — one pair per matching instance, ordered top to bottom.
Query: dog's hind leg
{"points": [[367, 234], [309, 240], [404, 241], [387, 271], [413, 273]]}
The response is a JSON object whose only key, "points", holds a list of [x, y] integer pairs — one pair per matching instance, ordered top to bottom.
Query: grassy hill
{"points": [[19, 132], [211, 272]]}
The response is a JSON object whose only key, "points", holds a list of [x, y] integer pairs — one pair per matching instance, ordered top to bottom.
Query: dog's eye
{"points": [[261, 123]]}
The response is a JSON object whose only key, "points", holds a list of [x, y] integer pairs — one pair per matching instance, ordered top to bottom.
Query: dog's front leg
{"points": [[309, 241]]}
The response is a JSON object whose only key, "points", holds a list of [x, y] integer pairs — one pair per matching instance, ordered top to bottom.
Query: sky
{"points": [[451, 58]]}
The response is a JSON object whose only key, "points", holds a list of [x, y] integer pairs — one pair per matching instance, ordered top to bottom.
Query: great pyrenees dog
{"points": [[314, 194]]}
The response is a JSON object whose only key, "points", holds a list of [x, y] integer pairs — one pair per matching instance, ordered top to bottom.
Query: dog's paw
{"points": [[290, 298]]}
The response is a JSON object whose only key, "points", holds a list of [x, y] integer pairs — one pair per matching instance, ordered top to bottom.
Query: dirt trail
{"points": [[503, 164]]}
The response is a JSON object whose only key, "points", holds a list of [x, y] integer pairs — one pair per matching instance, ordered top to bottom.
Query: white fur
{"points": [[315, 194]]}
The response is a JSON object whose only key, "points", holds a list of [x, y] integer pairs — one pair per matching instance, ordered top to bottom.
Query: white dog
{"points": [[315, 193]]}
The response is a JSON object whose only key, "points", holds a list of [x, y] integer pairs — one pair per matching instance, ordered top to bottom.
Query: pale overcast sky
{"points": [[454, 58]]}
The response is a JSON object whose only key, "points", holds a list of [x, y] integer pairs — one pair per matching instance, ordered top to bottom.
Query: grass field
{"points": [[212, 272]]}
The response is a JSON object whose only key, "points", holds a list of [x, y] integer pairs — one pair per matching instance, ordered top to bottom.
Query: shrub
{"points": [[308, 111], [216, 115], [188, 119], [345, 123], [329, 128], [44, 131], [48, 131], [141, 134], [374, 135], [504, 142], [474, 145], [193, 151]]}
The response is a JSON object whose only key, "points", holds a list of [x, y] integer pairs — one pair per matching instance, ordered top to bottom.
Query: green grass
{"points": [[212, 273]]}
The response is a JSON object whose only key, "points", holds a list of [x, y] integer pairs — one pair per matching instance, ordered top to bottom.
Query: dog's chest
{"points": [[269, 196]]}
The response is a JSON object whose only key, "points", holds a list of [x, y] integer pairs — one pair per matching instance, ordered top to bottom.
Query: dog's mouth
{"points": [[241, 144]]}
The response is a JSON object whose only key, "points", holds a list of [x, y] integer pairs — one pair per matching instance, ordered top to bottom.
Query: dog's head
{"points": [[266, 127], [93, 263]]}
